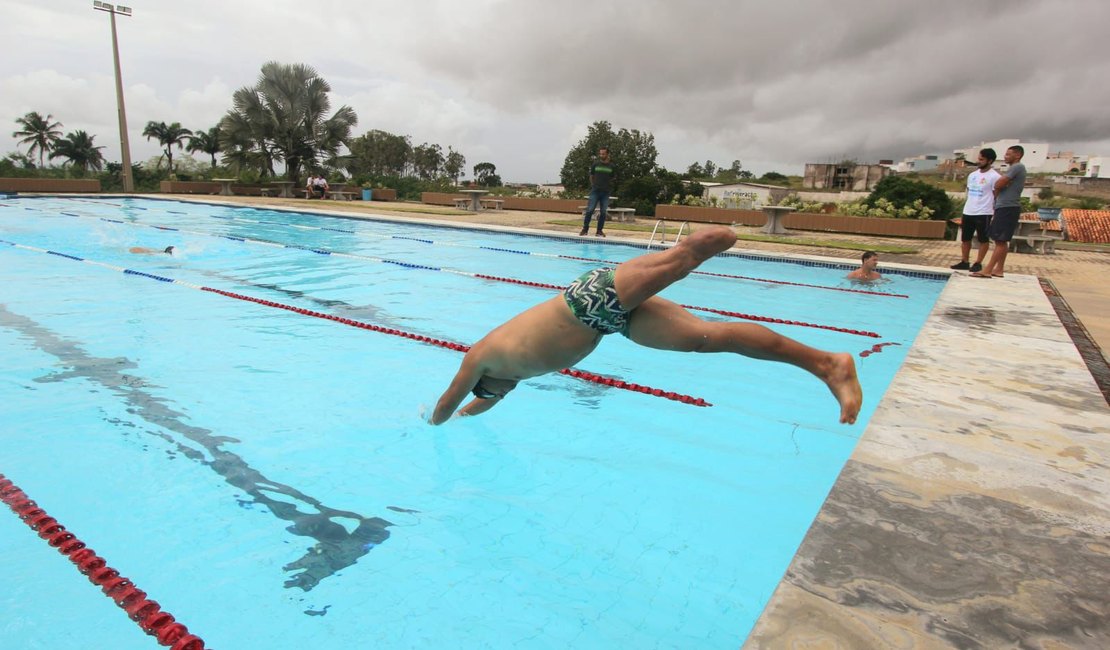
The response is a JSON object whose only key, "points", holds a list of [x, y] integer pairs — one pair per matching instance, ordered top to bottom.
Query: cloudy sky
{"points": [[516, 82]]}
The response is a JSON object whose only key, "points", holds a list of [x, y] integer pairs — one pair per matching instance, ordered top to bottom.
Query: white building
{"points": [[1036, 153], [920, 163], [1098, 167]]}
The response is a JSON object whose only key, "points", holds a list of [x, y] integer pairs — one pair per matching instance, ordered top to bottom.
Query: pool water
{"points": [[269, 478]]}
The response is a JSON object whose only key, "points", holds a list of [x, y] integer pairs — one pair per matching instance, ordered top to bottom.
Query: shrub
{"points": [[900, 192]]}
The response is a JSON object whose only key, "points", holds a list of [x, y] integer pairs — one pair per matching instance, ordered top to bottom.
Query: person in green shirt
{"points": [[601, 179]]}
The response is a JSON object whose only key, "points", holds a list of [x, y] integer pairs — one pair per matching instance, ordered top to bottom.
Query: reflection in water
{"points": [[335, 547]]}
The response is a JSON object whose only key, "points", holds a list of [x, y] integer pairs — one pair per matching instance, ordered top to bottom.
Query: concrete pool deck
{"points": [[975, 509]]}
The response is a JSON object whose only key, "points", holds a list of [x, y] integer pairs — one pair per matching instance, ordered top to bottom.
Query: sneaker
{"points": [[584, 232], [600, 234], [962, 266], [976, 267]]}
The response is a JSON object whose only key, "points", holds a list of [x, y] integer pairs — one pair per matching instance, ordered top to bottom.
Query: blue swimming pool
{"points": [[267, 477]]}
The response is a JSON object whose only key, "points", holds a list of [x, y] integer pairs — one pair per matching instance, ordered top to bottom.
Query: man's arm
{"points": [[1005, 179], [468, 375]]}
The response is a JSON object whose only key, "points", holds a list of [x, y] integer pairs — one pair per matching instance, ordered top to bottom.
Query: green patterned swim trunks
{"points": [[593, 300]]}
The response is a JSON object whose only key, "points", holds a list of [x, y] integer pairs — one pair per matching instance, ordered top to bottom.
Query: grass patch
{"points": [[791, 241], [1080, 246]]}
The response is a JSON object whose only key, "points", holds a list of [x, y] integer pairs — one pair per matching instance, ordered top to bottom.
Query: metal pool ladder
{"points": [[661, 228]]}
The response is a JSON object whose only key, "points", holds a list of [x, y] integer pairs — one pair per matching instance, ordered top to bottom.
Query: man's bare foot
{"points": [[842, 381]]}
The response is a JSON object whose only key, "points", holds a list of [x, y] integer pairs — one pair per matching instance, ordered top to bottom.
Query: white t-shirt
{"points": [[980, 192]]}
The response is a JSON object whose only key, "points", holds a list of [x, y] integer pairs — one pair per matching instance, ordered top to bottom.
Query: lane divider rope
{"points": [[536, 254], [494, 278], [458, 347], [146, 613]]}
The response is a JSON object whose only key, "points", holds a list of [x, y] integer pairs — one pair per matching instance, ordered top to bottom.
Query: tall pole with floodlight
{"points": [[125, 148]]}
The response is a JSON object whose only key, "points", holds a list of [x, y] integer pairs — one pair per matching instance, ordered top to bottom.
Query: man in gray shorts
{"points": [[1007, 211]]}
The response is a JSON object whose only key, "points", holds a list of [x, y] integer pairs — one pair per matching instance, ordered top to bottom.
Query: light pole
{"points": [[125, 148]]}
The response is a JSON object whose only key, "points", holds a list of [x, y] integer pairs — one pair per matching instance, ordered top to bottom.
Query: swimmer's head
{"points": [[169, 250], [493, 388]]}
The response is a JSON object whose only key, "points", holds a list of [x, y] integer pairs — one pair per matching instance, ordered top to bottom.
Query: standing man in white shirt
{"points": [[978, 210], [1007, 212]]}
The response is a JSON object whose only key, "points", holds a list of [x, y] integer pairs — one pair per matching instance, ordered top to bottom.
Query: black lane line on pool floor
{"points": [[335, 548]]}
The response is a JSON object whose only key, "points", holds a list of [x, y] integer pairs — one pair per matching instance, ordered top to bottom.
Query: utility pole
{"points": [[125, 148]]}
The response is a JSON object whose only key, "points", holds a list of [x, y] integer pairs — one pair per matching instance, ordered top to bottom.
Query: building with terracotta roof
{"points": [[1089, 226]]}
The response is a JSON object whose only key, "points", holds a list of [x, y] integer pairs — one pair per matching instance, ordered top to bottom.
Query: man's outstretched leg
{"points": [[642, 277], [664, 325]]}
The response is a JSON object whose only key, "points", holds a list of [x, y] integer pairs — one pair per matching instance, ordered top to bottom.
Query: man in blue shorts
{"points": [[978, 210], [1007, 212], [562, 331]]}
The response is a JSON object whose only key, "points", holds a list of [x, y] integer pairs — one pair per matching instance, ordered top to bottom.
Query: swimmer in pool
{"points": [[142, 250], [866, 272], [564, 330]]}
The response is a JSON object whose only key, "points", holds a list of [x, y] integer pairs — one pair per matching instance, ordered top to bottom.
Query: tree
{"points": [[285, 116], [38, 132], [167, 135], [206, 142], [77, 147], [380, 153], [633, 155], [427, 161], [454, 164], [710, 169], [695, 170], [485, 174], [774, 177], [902, 192]]}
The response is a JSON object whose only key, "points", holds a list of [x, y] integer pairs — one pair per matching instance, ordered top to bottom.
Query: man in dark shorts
{"points": [[978, 209], [1007, 211], [562, 331]]}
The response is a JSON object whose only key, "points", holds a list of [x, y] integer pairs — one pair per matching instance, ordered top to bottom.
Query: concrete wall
{"points": [[49, 185], [1098, 188], [511, 202], [807, 221]]}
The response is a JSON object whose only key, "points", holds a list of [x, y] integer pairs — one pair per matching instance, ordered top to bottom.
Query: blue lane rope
{"points": [[550, 255], [480, 276]]}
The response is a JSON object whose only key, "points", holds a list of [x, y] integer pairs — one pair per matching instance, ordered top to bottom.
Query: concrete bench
{"points": [[267, 191], [340, 195], [492, 203], [462, 204], [614, 214], [623, 214], [1043, 244]]}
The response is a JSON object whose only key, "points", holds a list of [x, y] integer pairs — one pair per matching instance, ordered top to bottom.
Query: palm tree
{"points": [[284, 116], [38, 132], [167, 135], [207, 142], [77, 147]]}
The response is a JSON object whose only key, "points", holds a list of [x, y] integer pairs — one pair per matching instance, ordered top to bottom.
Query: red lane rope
{"points": [[754, 279], [723, 312], [459, 347], [877, 348], [148, 614]]}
